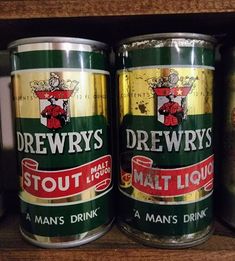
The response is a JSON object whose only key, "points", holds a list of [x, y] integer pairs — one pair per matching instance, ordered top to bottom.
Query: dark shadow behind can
{"points": [[225, 206]]}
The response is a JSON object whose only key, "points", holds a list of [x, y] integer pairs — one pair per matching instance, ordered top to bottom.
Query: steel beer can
{"points": [[60, 88], [166, 156], [226, 177]]}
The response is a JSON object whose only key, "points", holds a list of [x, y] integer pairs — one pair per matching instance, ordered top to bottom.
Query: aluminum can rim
{"points": [[162, 36], [96, 45]]}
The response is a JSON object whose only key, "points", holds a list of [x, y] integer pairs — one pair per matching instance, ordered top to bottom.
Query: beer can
{"points": [[165, 86], [60, 88], [226, 177]]}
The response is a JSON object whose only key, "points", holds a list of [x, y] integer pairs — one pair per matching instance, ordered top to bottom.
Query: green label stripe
{"points": [[166, 56], [59, 59], [162, 153], [54, 158], [66, 220], [166, 220]]}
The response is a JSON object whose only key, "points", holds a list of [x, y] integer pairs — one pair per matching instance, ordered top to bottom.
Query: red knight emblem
{"points": [[172, 94], [54, 97]]}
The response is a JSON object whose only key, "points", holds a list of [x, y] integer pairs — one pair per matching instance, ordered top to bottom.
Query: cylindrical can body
{"points": [[60, 88], [166, 157], [226, 179]]}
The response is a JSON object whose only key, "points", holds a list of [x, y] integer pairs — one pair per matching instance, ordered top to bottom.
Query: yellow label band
{"points": [[86, 89], [137, 96]]}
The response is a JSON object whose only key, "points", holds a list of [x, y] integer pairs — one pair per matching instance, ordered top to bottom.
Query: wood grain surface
{"points": [[14, 9]]}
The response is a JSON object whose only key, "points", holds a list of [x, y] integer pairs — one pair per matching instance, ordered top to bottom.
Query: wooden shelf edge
{"points": [[15, 9], [117, 255]]}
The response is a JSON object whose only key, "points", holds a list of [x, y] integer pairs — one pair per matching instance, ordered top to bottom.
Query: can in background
{"points": [[60, 88], [166, 152], [226, 179]]}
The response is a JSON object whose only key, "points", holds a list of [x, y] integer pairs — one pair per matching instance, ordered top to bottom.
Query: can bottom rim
{"points": [[166, 242], [67, 244]]}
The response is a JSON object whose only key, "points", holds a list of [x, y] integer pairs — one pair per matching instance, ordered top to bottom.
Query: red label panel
{"points": [[171, 182], [64, 183]]}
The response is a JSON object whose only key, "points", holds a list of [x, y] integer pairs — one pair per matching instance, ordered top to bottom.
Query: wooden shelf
{"points": [[14, 9], [110, 21], [111, 29], [114, 245]]}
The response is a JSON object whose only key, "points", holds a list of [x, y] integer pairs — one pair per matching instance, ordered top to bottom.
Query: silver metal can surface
{"points": [[165, 84], [60, 88]]}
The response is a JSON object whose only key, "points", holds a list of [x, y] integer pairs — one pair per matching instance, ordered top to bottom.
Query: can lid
{"points": [[173, 35], [95, 45]]}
